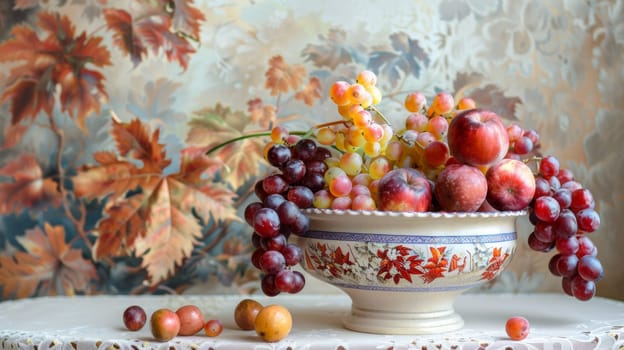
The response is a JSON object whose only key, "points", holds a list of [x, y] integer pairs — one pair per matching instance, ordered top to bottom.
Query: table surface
{"points": [[95, 322]]}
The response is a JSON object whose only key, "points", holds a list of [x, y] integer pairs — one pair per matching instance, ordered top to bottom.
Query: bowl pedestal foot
{"points": [[418, 314], [380, 322]]}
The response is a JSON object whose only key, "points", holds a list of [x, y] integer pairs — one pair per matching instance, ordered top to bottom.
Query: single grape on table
{"points": [[460, 157], [134, 317], [191, 319], [164, 324], [213, 328], [517, 328]]}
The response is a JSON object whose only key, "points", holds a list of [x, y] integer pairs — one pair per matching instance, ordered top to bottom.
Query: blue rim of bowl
{"points": [[427, 214]]}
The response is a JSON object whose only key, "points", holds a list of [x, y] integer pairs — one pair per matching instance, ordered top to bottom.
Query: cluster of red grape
{"points": [[522, 143], [563, 213], [277, 214]]}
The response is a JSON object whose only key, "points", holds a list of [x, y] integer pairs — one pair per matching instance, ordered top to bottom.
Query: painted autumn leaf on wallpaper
{"points": [[184, 17], [135, 35], [334, 50], [58, 56], [405, 58], [57, 59], [282, 77], [310, 92], [489, 96], [262, 114], [213, 126], [28, 188], [149, 213], [47, 263]]}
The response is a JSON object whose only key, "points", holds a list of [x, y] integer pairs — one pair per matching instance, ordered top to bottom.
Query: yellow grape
{"points": [[366, 78], [338, 93], [357, 94], [375, 94], [368, 101], [415, 102], [442, 103], [466, 103], [353, 110], [344, 111], [362, 119], [416, 121], [438, 127], [373, 132], [279, 134], [387, 134], [326, 136], [355, 137], [425, 138], [340, 141], [267, 147], [349, 147], [372, 149], [394, 150], [332, 162], [351, 163], [378, 167], [333, 172], [362, 179], [340, 185], [359, 189], [322, 199], [363, 202], [341, 203], [273, 323]]}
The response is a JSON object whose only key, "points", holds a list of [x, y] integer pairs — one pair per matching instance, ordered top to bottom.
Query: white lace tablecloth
{"points": [[558, 322]]}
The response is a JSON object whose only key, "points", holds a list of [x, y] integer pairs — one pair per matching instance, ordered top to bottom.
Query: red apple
{"points": [[478, 137], [511, 185], [460, 187], [404, 189]]}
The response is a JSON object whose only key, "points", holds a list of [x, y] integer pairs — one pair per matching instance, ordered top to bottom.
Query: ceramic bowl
{"points": [[404, 271]]}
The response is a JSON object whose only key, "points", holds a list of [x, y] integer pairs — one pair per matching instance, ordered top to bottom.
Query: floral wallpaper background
{"points": [[108, 107]]}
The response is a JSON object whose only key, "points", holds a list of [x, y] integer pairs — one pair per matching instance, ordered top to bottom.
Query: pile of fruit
{"points": [[447, 156], [271, 322], [165, 324]]}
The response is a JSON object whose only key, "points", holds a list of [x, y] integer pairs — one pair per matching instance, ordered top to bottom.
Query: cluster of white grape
{"points": [[370, 147]]}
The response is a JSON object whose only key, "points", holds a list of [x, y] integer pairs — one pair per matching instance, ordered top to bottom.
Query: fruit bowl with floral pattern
{"points": [[404, 271]]}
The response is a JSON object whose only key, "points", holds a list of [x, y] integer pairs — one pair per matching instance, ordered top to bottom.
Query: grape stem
{"points": [[381, 115], [335, 122], [301, 133], [244, 137], [535, 159]]}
